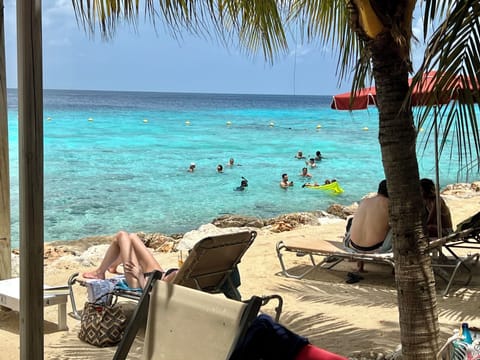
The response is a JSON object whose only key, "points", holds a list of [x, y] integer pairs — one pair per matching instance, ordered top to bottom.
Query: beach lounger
{"points": [[334, 252], [211, 266], [53, 295], [184, 323]]}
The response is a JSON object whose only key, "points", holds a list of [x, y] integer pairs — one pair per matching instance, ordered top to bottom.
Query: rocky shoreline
{"points": [[88, 250]]}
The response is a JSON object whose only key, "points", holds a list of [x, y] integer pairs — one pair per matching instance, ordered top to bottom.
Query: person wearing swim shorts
{"points": [[369, 231], [138, 261]]}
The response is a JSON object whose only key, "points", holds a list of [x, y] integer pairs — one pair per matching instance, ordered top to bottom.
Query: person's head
{"points": [[299, 153], [318, 153], [231, 161], [312, 161], [192, 166], [219, 168], [304, 171], [285, 177], [327, 181], [244, 183], [382, 188], [428, 188]]}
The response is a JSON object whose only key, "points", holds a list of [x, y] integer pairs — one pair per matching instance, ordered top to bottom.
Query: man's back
{"points": [[370, 223]]}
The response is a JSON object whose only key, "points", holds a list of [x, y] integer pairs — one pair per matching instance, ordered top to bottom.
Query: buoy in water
{"points": [[49, 118], [90, 119], [145, 121], [187, 123], [229, 123], [272, 124], [319, 126], [365, 128]]}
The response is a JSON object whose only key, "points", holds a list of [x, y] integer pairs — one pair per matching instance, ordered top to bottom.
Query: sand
{"points": [[340, 317]]}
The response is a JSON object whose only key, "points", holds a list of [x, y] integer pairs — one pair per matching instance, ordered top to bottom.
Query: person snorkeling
{"points": [[243, 185]]}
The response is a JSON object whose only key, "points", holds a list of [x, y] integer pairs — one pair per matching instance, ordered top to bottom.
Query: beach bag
{"points": [[102, 324]]}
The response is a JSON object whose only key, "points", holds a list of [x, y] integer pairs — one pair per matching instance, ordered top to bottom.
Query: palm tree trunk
{"points": [[413, 272]]}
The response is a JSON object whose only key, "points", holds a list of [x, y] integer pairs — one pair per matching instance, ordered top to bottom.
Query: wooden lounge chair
{"points": [[176, 316]]}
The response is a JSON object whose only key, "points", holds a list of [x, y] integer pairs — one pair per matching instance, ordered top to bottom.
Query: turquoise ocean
{"points": [[119, 160]]}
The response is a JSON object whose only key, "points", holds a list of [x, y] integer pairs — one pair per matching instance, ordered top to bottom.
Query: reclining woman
{"points": [[430, 199], [138, 261]]}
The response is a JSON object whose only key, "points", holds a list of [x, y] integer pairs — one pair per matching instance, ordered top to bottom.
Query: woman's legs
{"points": [[129, 249], [109, 258], [137, 259], [112, 269]]}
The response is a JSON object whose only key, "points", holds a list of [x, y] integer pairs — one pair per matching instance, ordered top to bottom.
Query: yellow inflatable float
{"points": [[334, 187]]}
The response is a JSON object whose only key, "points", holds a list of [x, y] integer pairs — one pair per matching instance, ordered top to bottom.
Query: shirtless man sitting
{"points": [[370, 231]]}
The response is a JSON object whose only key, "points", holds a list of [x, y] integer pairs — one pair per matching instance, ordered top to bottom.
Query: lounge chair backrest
{"points": [[471, 222], [212, 260], [189, 324]]}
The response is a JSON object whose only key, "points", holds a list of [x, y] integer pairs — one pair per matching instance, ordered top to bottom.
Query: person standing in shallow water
{"points": [[191, 167], [305, 173], [284, 183]]}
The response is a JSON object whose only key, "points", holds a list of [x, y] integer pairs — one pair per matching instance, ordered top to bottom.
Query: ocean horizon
{"points": [[118, 159]]}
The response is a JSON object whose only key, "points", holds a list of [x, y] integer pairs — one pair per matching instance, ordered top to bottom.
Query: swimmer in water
{"points": [[300, 155], [305, 173], [243, 185]]}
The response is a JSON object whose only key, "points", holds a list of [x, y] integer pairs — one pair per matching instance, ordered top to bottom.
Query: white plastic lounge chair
{"points": [[53, 295], [177, 316]]}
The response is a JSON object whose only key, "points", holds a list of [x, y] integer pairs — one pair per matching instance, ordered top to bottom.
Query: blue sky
{"points": [[146, 61]]}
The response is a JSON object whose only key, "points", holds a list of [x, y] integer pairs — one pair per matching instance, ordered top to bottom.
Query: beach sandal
{"points": [[331, 259], [353, 278]]}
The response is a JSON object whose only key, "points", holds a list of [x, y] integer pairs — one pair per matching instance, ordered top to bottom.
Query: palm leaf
{"points": [[257, 25], [454, 51]]}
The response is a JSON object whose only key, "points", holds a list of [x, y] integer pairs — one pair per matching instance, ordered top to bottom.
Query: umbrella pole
{"points": [[437, 178]]}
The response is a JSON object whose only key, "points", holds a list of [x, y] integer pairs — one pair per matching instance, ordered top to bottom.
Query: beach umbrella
{"points": [[421, 94]]}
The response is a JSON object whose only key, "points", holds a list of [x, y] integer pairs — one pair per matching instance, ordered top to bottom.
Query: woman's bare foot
{"points": [[113, 270], [93, 275]]}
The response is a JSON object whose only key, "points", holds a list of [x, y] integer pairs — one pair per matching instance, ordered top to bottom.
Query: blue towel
{"points": [[123, 285]]}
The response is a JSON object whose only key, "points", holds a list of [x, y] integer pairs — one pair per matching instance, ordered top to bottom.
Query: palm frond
{"points": [[327, 21], [257, 25], [454, 51]]}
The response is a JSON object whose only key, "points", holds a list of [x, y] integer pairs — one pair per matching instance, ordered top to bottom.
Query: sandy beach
{"points": [[343, 318]]}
